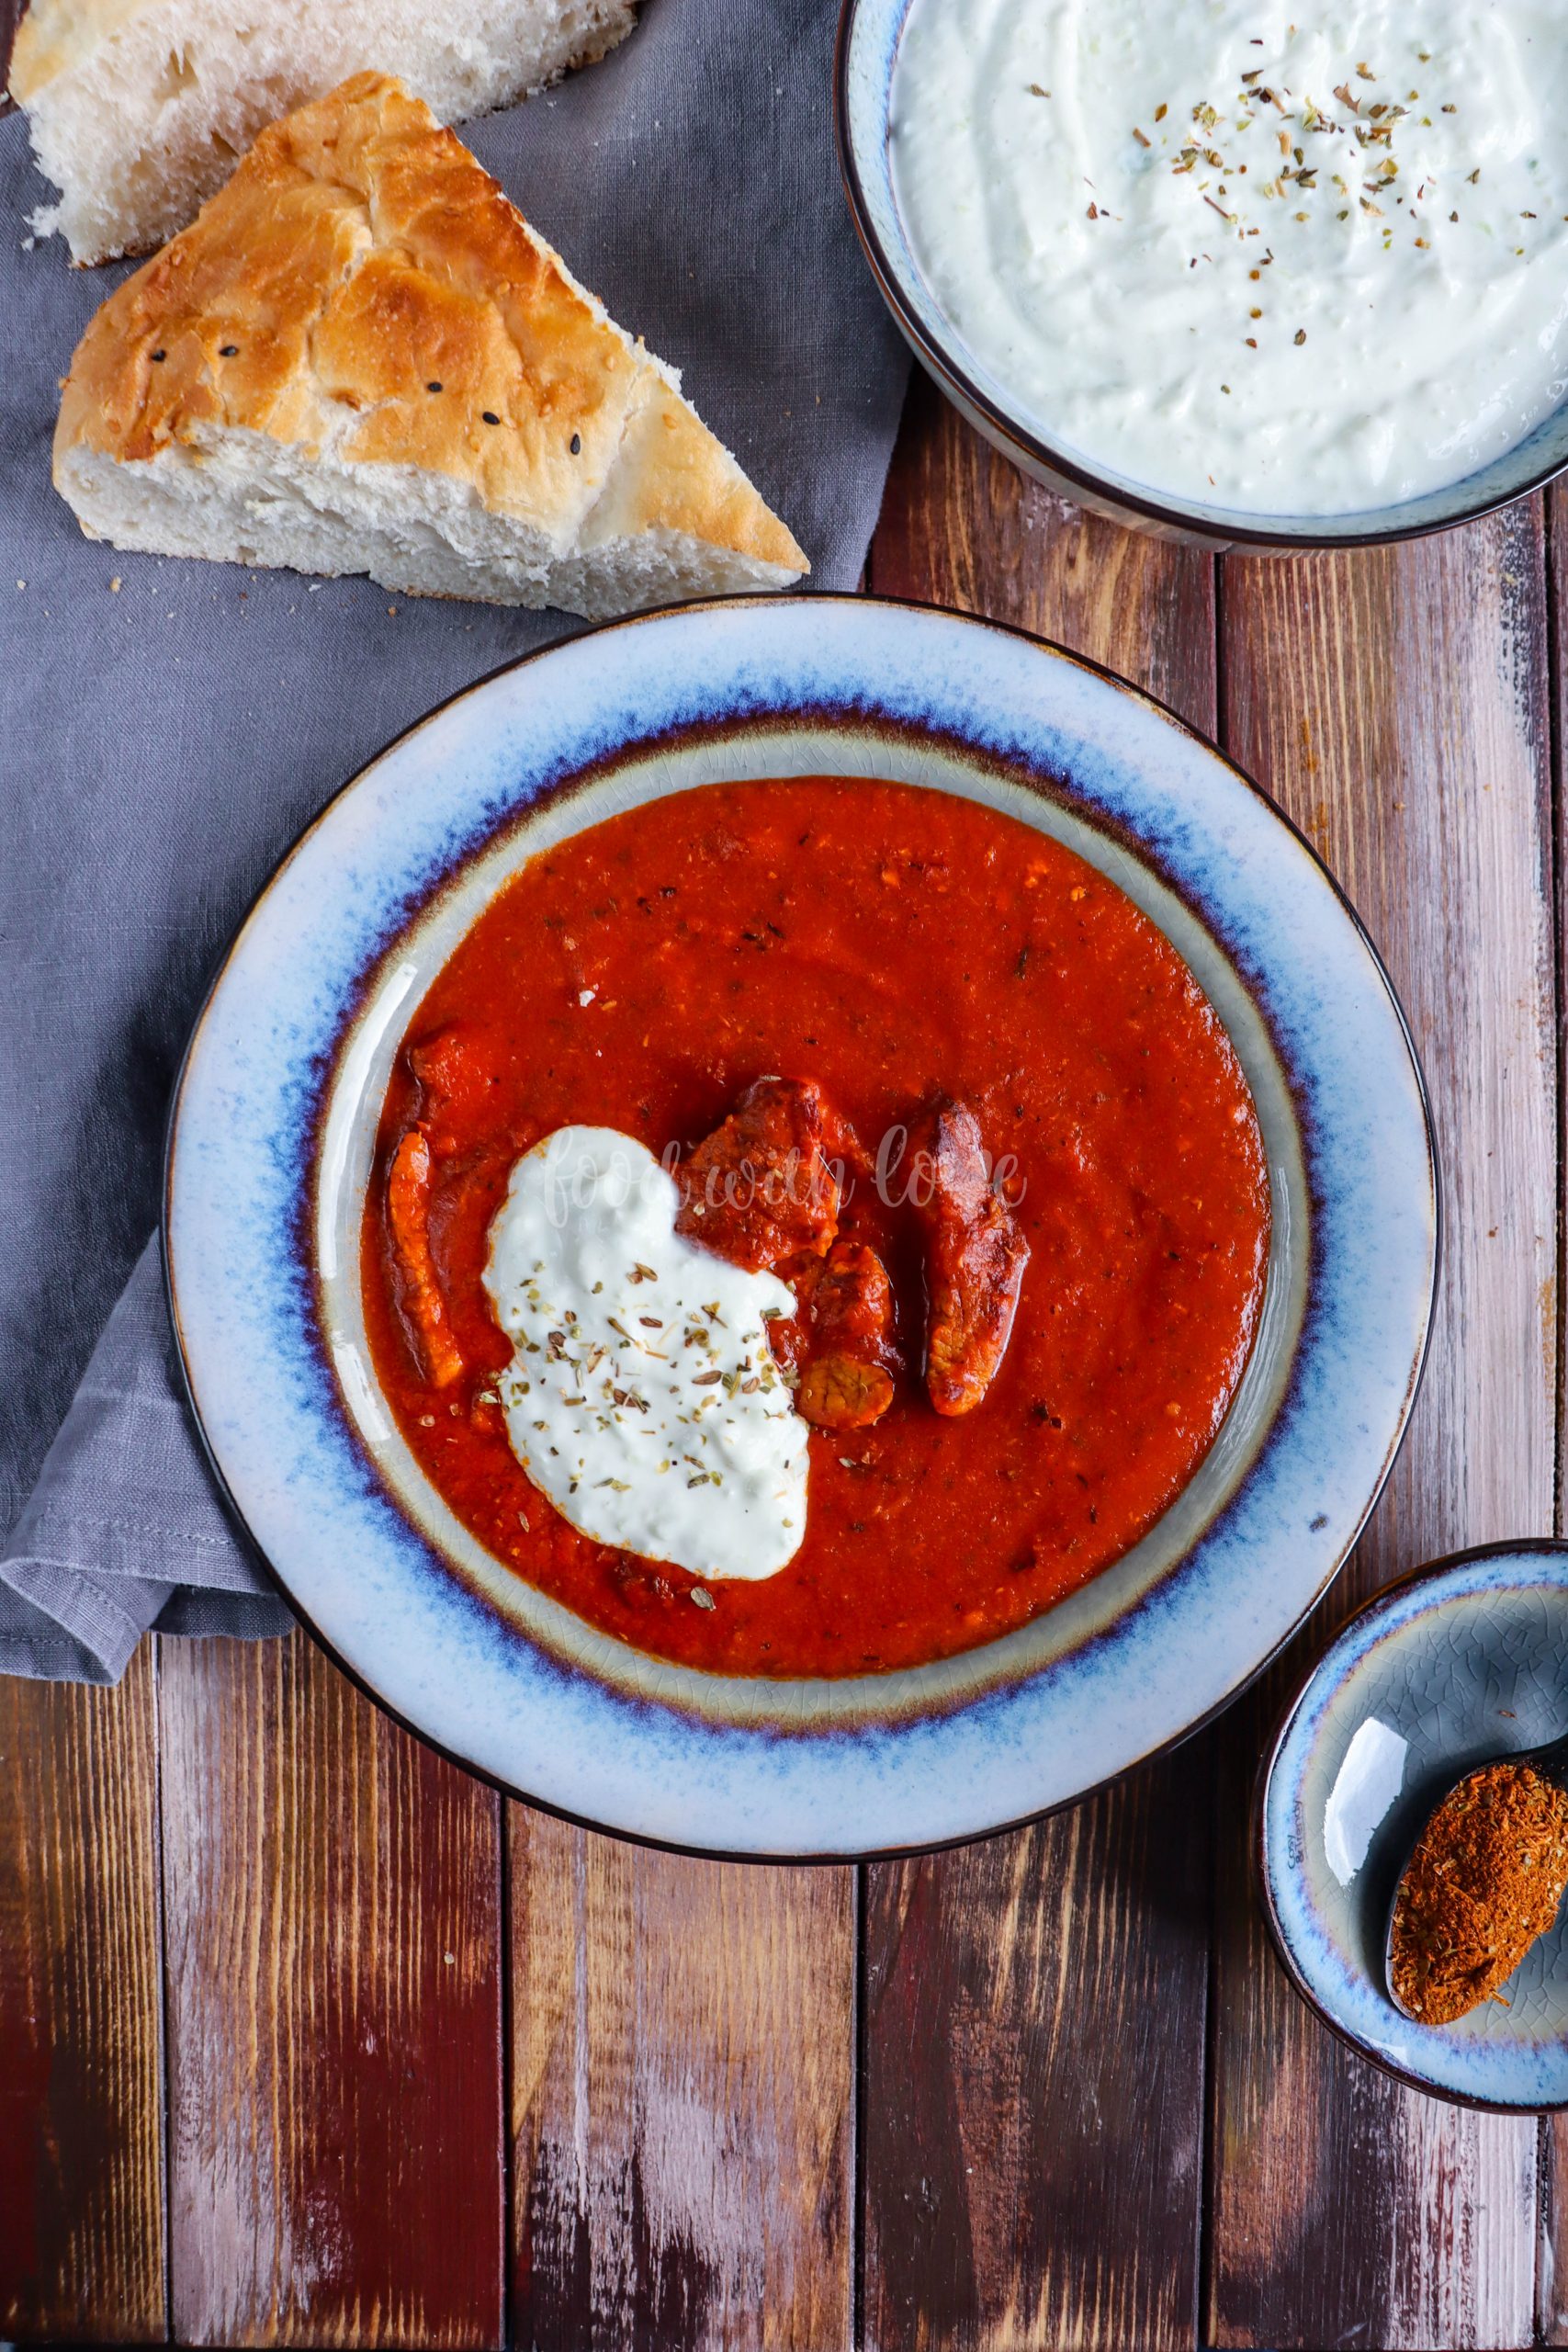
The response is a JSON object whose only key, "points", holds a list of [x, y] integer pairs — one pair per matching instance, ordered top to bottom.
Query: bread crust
{"points": [[361, 286]]}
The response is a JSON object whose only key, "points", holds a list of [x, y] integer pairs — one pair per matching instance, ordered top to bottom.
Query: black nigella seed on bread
{"points": [[328, 259]]}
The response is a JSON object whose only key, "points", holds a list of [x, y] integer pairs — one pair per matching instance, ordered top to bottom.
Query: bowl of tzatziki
{"points": [[1258, 274]]}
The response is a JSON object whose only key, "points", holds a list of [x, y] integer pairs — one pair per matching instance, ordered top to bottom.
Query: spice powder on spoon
{"points": [[1485, 1880]]}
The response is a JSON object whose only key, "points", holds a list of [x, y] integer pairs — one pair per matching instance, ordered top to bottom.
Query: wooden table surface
{"points": [[308, 2038]]}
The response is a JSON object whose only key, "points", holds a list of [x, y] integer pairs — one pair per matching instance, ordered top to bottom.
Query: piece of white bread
{"points": [[140, 108], [360, 357]]}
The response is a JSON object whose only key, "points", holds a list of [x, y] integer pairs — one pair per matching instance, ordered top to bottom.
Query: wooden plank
{"points": [[961, 526], [1396, 704], [333, 1939], [1034, 2004], [681, 2038], [81, 2078], [1035, 2173], [1551, 2269]]}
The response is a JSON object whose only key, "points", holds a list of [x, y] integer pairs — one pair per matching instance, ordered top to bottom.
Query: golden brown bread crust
{"points": [[362, 284]]}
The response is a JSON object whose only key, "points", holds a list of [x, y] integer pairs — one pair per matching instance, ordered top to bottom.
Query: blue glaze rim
{"points": [[867, 180], [1393, 1609], [1116, 1646]]}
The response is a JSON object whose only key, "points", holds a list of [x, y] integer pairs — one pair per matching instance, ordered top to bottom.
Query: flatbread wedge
{"points": [[139, 109], [361, 358]]}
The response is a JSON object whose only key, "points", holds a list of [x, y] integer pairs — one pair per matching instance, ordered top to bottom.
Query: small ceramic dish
{"points": [[869, 35], [271, 1150], [1463, 1661]]}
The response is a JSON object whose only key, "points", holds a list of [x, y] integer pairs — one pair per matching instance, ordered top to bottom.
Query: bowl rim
{"points": [[1150, 511], [1425, 1572], [832, 1855]]}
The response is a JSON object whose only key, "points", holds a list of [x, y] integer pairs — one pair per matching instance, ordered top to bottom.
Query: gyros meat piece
{"points": [[460, 1069], [759, 1188], [976, 1256], [419, 1288], [840, 1340]]}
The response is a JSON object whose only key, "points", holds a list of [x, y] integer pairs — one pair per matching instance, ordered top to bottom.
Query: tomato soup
{"points": [[891, 945]]}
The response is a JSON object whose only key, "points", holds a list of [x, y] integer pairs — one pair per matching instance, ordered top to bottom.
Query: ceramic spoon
{"points": [[1551, 1762]]}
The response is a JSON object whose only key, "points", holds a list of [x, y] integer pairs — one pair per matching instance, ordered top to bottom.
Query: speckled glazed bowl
{"points": [[869, 35], [271, 1151], [1463, 1661]]}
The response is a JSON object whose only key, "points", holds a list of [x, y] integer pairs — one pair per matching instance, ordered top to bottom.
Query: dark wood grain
{"points": [[1397, 704], [335, 2001], [1034, 2011], [681, 2040], [81, 2048], [1035, 2079]]}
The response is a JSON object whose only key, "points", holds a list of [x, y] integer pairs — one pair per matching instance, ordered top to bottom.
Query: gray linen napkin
{"points": [[166, 727]]}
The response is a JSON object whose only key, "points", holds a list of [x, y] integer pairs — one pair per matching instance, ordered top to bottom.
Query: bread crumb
{"points": [[21, 583], [114, 586], [391, 612]]}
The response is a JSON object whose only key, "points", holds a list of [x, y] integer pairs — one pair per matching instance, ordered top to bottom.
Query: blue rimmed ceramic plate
{"points": [[271, 1150], [1462, 1661]]}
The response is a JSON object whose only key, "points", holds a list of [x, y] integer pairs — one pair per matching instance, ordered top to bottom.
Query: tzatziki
{"points": [[1292, 259], [642, 1398]]}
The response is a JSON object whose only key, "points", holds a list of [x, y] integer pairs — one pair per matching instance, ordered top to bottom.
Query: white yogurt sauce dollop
{"points": [[1294, 259], [642, 1398]]}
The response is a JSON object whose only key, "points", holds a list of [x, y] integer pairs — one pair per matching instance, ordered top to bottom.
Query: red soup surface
{"points": [[890, 942]]}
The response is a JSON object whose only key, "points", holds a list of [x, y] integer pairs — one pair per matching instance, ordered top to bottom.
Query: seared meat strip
{"points": [[460, 1070], [759, 1188], [408, 1219], [976, 1256], [840, 1340]]}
